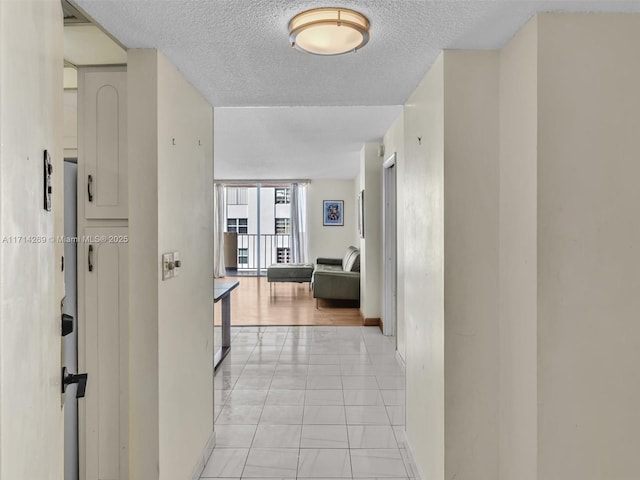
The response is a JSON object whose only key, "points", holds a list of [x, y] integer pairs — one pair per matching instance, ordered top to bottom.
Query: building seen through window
{"points": [[237, 195], [283, 195], [258, 222], [237, 225], [283, 226], [284, 255], [243, 256]]}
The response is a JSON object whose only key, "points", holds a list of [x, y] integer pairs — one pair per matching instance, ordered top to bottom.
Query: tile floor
{"points": [[309, 402]]}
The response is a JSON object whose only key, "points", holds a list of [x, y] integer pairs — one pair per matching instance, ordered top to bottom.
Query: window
{"points": [[237, 195], [283, 195], [237, 225], [283, 226], [283, 255], [243, 256]]}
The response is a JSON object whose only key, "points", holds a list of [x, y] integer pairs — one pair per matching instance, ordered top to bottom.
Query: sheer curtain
{"points": [[218, 231], [299, 249]]}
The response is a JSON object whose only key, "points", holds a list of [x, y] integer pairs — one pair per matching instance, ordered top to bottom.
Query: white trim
{"points": [[389, 248], [204, 458]]}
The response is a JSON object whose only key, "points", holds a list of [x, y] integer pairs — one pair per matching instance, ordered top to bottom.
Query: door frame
{"points": [[389, 246]]}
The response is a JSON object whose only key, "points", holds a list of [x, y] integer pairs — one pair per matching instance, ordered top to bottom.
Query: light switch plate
{"points": [[176, 258], [167, 266]]}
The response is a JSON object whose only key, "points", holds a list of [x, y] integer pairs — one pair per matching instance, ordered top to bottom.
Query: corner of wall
{"points": [[142, 111], [371, 244], [518, 254]]}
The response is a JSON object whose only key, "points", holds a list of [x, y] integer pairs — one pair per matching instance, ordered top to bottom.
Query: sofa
{"points": [[337, 278]]}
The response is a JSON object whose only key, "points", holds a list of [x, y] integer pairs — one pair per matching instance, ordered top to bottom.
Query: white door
{"points": [[102, 141], [31, 280], [103, 354]]}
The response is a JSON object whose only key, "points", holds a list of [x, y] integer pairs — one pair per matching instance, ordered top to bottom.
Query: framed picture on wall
{"points": [[333, 212], [361, 214]]}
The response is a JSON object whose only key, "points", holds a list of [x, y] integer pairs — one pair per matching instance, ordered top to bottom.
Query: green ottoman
{"points": [[289, 272]]}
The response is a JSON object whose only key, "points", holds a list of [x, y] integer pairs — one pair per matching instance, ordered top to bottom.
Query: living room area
{"points": [[272, 252]]}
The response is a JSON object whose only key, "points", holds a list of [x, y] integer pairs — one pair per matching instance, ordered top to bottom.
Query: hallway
{"points": [[310, 402]]}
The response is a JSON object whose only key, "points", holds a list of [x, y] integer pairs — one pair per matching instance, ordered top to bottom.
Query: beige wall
{"points": [[142, 108], [70, 123], [394, 142], [370, 180], [451, 180], [171, 209], [471, 219], [185, 224], [588, 237], [328, 241], [518, 256], [424, 272], [31, 288], [521, 288]]}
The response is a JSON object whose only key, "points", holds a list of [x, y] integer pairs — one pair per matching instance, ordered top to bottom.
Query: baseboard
{"points": [[371, 322], [400, 360], [204, 458], [415, 473]]}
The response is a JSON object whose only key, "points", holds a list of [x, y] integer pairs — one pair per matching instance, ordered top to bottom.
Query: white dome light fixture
{"points": [[329, 31]]}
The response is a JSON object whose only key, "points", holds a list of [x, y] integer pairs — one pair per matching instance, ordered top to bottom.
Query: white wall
{"points": [[142, 110], [70, 141], [394, 142], [173, 203], [471, 220], [185, 224], [588, 237], [330, 241], [371, 246], [518, 255], [451, 267], [424, 272], [521, 273], [31, 282]]}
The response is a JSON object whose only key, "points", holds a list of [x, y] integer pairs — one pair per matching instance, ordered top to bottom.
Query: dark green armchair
{"points": [[338, 278]]}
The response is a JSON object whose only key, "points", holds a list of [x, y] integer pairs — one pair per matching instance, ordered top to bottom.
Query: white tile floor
{"points": [[310, 402]]}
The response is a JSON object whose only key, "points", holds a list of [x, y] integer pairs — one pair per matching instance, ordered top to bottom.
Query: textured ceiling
{"points": [[236, 53], [296, 142]]}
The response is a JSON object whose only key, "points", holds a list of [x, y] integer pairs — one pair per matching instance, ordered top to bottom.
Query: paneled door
{"points": [[102, 141], [103, 354]]}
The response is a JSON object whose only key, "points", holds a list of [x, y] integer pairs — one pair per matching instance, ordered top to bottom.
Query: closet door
{"points": [[102, 134], [104, 352]]}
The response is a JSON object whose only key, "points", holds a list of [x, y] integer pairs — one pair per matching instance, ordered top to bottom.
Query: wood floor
{"points": [[256, 302]]}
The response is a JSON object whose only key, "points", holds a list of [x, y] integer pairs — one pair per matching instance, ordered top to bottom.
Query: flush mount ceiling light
{"points": [[329, 31]]}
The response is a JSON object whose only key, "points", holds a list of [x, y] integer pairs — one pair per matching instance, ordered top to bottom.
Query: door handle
{"points": [[90, 187], [90, 258], [67, 324], [70, 378]]}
